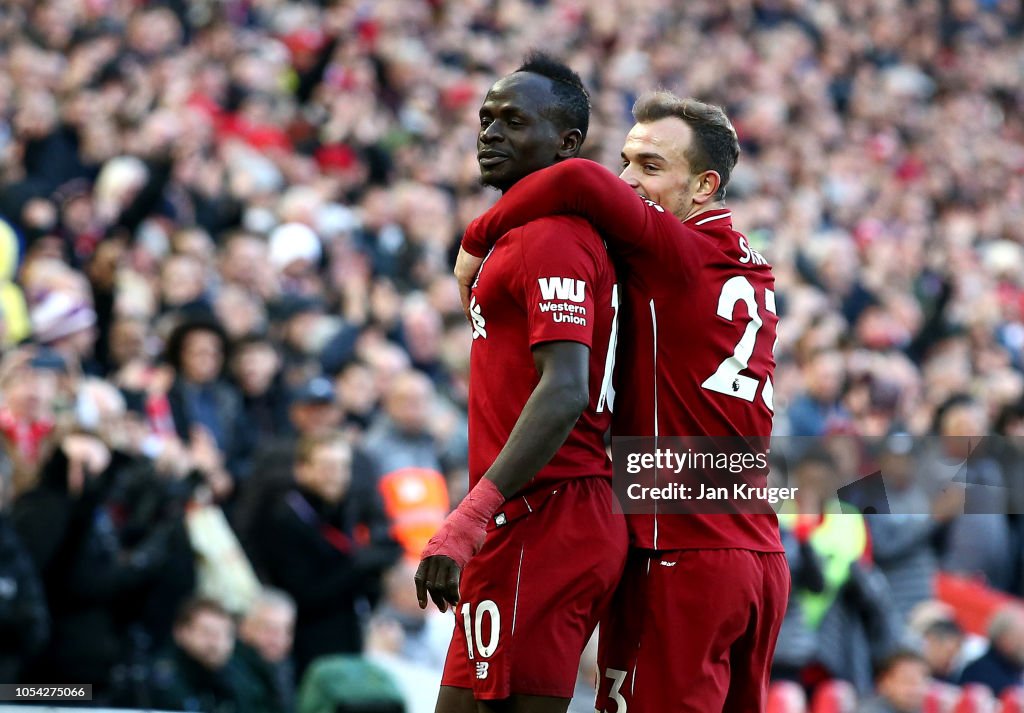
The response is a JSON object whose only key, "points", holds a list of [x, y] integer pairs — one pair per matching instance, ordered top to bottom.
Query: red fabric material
{"points": [[678, 276], [546, 282], [25, 437], [464, 531], [534, 594], [669, 644]]}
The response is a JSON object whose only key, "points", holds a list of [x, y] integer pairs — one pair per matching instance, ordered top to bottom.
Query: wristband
{"points": [[464, 531]]}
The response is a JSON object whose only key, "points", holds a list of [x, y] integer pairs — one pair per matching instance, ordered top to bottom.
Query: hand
{"points": [[466, 268], [87, 456], [206, 456], [208, 459], [949, 503], [460, 537], [438, 575]]}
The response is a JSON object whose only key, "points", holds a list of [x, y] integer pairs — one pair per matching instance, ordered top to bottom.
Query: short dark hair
{"points": [[573, 108], [715, 146], [199, 322], [309, 445], [817, 455], [194, 606], [897, 657]]}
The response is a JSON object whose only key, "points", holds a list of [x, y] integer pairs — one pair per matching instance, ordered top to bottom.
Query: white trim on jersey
{"points": [[714, 217], [654, 329], [607, 397]]}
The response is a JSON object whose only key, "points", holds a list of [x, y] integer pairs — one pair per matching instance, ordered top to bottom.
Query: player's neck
{"points": [[696, 210]]}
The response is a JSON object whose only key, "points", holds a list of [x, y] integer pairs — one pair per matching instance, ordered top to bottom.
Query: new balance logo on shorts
{"points": [[481, 669]]}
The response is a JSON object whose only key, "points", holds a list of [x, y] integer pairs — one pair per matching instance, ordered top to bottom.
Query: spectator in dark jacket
{"points": [[256, 368], [203, 405], [314, 411], [71, 540], [326, 544], [24, 619], [263, 653], [1002, 665], [195, 675]]}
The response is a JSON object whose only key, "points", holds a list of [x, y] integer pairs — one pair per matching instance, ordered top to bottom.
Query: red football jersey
{"points": [[548, 281], [697, 336]]}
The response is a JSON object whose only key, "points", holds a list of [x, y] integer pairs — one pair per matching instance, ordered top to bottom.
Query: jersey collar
{"points": [[717, 218]]}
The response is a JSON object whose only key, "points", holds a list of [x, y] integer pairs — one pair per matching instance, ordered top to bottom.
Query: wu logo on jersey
{"points": [[561, 288], [479, 323]]}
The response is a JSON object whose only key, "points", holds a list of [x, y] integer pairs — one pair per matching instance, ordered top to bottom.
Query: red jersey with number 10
{"points": [[548, 281], [697, 333]]}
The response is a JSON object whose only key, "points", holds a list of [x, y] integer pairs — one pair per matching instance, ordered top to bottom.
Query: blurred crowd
{"points": [[234, 369]]}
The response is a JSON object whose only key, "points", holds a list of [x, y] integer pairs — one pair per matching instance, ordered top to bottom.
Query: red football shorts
{"points": [[531, 598], [692, 631]]}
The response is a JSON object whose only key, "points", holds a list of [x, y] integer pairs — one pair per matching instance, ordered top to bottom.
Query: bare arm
{"points": [[627, 222], [548, 417]]}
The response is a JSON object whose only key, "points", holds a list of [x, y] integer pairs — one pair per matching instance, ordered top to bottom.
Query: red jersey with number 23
{"points": [[547, 281], [697, 333]]}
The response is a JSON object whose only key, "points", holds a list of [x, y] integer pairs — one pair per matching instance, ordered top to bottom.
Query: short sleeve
{"points": [[564, 264]]}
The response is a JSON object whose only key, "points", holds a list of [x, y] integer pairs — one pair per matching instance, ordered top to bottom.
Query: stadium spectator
{"points": [[881, 161], [66, 323], [256, 369], [29, 386], [358, 395], [819, 405], [207, 411], [313, 411], [408, 433], [903, 539], [978, 543], [326, 544], [86, 572], [851, 615], [24, 617], [423, 636], [942, 642], [797, 645], [384, 648], [262, 654], [1002, 664], [195, 674], [902, 682]]}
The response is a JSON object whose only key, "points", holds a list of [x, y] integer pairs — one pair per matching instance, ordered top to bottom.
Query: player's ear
{"points": [[572, 142], [708, 183]]}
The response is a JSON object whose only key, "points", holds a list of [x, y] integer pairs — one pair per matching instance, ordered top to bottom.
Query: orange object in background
{"points": [[416, 503]]}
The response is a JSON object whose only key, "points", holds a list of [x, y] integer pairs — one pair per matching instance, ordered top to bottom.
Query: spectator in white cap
{"points": [[295, 253], [67, 324]]}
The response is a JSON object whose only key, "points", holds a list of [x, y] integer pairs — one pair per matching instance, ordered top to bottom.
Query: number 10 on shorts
{"points": [[474, 626]]}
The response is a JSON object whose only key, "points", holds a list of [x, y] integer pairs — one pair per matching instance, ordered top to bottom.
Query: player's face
{"points": [[516, 138], [654, 164]]}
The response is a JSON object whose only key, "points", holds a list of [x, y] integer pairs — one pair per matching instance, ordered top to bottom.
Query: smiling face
{"points": [[517, 135], [656, 165]]}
